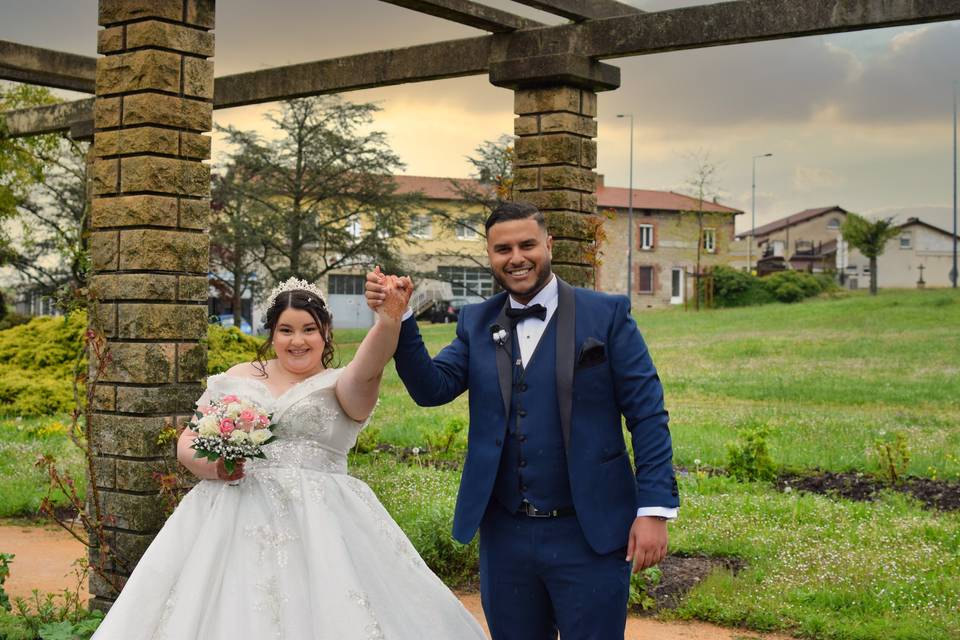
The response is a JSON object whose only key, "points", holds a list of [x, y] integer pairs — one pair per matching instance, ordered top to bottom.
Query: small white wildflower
{"points": [[416, 451], [696, 461]]}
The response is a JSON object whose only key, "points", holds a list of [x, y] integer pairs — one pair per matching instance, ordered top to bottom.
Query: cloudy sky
{"points": [[862, 120]]}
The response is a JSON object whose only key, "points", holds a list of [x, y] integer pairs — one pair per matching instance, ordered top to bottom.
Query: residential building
{"points": [[667, 229], [666, 234], [806, 241], [920, 255]]}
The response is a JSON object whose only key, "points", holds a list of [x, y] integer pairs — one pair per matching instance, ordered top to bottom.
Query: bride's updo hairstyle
{"points": [[303, 301]]}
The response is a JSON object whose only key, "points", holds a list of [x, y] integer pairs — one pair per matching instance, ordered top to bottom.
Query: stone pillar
{"points": [[555, 100], [149, 251]]}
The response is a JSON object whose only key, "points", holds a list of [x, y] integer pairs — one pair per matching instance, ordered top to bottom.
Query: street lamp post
{"points": [[753, 211], [629, 214], [953, 272]]}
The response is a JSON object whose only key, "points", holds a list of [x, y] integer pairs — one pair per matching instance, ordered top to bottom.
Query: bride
{"points": [[299, 549]]}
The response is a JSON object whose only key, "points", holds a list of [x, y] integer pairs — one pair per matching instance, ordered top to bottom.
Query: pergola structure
{"points": [[155, 91]]}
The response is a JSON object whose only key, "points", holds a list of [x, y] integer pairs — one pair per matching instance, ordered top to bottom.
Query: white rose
{"points": [[208, 426], [239, 436], [260, 436]]}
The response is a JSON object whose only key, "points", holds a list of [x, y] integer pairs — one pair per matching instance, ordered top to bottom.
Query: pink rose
{"points": [[230, 398], [207, 409], [248, 415], [264, 421], [227, 426]]}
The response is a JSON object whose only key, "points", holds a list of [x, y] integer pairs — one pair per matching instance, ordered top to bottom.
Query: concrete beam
{"points": [[580, 10], [470, 13], [738, 22], [641, 34], [449, 59], [47, 68], [53, 118]]}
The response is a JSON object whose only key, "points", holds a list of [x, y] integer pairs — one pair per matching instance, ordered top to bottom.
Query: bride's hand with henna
{"points": [[388, 295]]}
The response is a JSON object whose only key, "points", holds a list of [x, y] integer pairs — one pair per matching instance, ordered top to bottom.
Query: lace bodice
{"points": [[312, 430]]}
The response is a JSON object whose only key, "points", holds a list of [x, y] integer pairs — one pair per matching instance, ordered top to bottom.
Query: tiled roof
{"points": [[607, 197], [789, 221], [912, 221]]}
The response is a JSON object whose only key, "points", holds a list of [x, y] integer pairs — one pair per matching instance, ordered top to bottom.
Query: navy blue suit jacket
{"points": [[603, 372]]}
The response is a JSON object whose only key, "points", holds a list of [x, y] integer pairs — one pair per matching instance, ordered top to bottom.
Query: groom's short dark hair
{"points": [[507, 211]]}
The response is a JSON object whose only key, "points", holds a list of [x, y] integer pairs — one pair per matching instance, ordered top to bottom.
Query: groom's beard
{"points": [[542, 279]]}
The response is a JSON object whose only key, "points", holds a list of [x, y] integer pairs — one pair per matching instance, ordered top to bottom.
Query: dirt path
{"points": [[45, 556]]}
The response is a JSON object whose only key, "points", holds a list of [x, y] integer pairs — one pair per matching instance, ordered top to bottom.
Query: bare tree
{"points": [[703, 186]]}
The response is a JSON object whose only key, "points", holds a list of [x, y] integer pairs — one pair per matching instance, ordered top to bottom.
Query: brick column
{"points": [[555, 99], [555, 158], [149, 250]]}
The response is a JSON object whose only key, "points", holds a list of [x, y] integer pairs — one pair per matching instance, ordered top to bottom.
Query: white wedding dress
{"points": [[299, 550]]}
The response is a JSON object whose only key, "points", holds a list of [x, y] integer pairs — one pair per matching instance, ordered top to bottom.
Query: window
{"points": [[833, 224], [353, 226], [421, 227], [465, 233], [646, 236], [710, 240], [906, 240], [644, 279], [468, 281], [345, 284]]}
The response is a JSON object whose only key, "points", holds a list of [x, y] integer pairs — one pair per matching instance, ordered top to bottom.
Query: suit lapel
{"points": [[566, 321], [504, 357]]}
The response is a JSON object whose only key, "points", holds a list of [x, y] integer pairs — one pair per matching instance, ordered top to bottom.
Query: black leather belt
{"points": [[527, 509]]}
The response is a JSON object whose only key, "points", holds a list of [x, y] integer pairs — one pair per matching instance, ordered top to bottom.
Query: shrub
{"points": [[793, 286], [733, 288], [13, 320], [229, 346], [37, 360], [749, 460], [5, 560]]}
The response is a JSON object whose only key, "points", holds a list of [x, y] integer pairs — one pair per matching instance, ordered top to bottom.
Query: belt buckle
{"points": [[533, 512]]}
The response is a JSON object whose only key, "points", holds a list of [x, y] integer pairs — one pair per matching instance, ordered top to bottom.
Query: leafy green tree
{"points": [[21, 164], [326, 189], [235, 226], [869, 238], [46, 240]]}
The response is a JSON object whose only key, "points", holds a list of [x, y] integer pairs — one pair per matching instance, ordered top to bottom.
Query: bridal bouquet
{"points": [[230, 429]]}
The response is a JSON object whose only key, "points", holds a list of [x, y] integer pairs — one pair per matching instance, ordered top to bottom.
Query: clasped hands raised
{"points": [[388, 295]]}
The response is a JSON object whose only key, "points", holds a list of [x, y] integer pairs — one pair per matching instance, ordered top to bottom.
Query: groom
{"points": [[547, 479]]}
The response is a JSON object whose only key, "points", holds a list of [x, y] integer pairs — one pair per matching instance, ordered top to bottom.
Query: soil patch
{"points": [[934, 494], [680, 574]]}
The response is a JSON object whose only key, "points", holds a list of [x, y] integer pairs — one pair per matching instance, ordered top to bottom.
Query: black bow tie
{"points": [[533, 311]]}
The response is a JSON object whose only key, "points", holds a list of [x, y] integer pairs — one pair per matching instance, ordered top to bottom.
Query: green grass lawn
{"points": [[828, 377]]}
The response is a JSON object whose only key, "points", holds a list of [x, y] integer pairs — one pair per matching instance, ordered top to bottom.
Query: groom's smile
{"points": [[520, 253]]}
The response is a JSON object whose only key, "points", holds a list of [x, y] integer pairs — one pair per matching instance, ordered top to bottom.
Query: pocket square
{"points": [[592, 352]]}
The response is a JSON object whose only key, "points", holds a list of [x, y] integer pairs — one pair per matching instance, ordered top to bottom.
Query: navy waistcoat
{"points": [[533, 466]]}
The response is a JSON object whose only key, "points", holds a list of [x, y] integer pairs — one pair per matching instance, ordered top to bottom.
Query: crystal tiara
{"points": [[293, 284]]}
